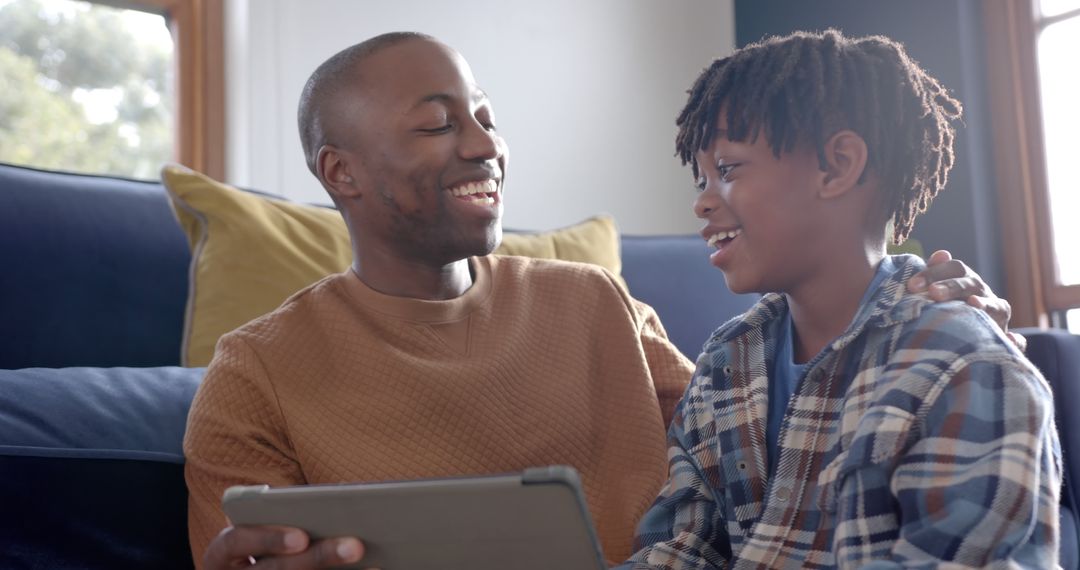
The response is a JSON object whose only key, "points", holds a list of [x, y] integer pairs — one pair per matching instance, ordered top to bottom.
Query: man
{"points": [[428, 358]]}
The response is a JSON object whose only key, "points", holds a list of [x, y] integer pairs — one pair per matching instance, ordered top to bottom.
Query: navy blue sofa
{"points": [[93, 403]]}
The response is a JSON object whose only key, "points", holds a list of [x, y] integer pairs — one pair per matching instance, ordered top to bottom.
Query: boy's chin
{"points": [[740, 285]]}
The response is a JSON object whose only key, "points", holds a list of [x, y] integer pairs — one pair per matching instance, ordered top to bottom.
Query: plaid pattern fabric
{"points": [[919, 438]]}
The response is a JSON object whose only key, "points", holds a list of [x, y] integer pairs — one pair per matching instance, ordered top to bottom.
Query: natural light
{"points": [[1051, 8], [1059, 45], [75, 70]]}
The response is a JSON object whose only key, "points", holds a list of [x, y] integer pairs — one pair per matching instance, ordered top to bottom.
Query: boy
{"points": [[842, 421]]}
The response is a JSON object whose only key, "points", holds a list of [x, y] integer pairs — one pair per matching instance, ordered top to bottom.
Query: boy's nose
{"points": [[705, 203]]}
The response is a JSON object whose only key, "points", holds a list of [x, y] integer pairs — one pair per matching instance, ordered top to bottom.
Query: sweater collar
{"points": [[423, 310]]}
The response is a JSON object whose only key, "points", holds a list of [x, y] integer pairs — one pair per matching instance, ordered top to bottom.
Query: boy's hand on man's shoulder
{"points": [[948, 279], [278, 548]]}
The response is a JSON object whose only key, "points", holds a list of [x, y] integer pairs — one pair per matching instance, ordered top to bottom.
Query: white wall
{"points": [[585, 93]]}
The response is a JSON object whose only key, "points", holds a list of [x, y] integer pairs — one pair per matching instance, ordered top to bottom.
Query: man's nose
{"points": [[479, 143]]}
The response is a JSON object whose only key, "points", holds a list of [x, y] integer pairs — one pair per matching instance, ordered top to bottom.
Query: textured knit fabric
{"points": [[538, 363], [919, 438]]}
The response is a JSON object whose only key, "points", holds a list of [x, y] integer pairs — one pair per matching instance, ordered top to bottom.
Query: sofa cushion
{"points": [[252, 251], [94, 271], [673, 275], [1057, 355], [92, 467]]}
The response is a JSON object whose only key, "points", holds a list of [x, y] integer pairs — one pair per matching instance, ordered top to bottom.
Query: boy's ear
{"points": [[845, 161], [335, 172]]}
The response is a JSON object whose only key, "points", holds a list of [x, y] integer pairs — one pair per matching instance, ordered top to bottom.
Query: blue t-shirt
{"points": [[786, 374]]}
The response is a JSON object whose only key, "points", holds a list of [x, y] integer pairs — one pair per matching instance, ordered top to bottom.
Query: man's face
{"points": [[421, 137], [759, 212]]}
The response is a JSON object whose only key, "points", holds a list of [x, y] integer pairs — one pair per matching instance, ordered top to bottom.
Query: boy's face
{"points": [[760, 212]]}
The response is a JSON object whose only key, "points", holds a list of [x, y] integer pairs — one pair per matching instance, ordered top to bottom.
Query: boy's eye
{"points": [[725, 170], [700, 183]]}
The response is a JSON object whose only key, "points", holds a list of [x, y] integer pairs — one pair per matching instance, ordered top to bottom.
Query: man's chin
{"points": [[494, 239]]}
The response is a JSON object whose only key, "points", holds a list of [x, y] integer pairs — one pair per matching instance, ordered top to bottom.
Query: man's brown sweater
{"points": [[538, 363]]}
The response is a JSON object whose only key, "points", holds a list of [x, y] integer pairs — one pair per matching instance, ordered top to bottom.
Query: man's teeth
{"points": [[476, 191], [716, 238]]}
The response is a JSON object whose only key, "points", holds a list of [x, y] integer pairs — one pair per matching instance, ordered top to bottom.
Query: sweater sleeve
{"points": [[670, 369], [235, 436]]}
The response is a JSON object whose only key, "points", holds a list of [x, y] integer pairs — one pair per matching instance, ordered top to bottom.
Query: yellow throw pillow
{"points": [[595, 240], [251, 252]]}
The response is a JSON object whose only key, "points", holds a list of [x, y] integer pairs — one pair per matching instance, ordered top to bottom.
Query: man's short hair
{"points": [[327, 81]]}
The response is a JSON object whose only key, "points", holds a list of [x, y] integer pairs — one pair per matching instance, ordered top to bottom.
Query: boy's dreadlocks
{"points": [[806, 86]]}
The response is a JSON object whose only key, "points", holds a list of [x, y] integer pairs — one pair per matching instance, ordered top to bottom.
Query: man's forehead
{"points": [[419, 71]]}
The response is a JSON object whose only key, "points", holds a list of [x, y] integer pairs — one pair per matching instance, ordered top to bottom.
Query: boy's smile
{"points": [[759, 211]]}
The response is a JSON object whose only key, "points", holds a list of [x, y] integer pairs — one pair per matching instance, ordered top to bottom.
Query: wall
{"points": [[944, 36], [585, 93]]}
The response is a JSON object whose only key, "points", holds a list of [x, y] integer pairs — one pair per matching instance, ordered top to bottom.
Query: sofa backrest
{"points": [[93, 271], [673, 275]]}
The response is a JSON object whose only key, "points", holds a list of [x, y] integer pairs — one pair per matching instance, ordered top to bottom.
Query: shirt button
{"points": [[728, 370], [742, 465], [783, 494]]}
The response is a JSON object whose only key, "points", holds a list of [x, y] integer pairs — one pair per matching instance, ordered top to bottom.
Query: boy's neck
{"points": [[822, 309]]}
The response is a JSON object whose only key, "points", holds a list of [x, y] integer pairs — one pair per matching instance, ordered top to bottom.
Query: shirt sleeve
{"points": [[670, 369], [235, 436], [978, 488], [684, 528]]}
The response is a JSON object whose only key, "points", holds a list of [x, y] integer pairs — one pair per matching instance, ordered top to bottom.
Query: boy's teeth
{"points": [[722, 236]]}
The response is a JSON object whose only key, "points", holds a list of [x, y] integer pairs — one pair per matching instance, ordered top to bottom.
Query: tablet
{"points": [[536, 519]]}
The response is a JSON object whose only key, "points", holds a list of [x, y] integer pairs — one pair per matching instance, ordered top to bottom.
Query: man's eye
{"points": [[489, 127], [438, 130], [700, 184]]}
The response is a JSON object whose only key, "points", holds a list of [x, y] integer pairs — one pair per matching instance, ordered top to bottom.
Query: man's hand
{"points": [[950, 279], [278, 548]]}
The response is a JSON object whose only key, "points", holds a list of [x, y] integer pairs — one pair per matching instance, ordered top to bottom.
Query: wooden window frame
{"points": [[198, 31], [1035, 289]]}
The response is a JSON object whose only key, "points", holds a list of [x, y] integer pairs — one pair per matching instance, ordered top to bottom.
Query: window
{"points": [[1032, 47], [115, 87]]}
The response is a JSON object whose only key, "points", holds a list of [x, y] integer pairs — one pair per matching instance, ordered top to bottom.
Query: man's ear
{"points": [[845, 162], [336, 172]]}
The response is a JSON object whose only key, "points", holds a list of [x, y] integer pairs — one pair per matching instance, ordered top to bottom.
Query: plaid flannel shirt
{"points": [[920, 438]]}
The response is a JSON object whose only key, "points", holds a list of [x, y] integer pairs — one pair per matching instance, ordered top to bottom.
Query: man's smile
{"points": [[478, 192]]}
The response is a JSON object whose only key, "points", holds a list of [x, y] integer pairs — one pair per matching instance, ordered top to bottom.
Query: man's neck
{"points": [[400, 278], [822, 308]]}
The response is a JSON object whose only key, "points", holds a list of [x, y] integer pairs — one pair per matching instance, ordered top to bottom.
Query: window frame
{"points": [[198, 31], [1035, 291]]}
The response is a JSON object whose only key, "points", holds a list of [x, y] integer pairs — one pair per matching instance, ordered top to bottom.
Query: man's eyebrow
{"points": [[478, 95]]}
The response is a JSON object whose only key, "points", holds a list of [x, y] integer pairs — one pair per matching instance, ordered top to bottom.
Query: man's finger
{"points": [[939, 256], [940, 265], [959, 288], [997, 308], [1018, 339], [235, 545], [322, 554]]}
